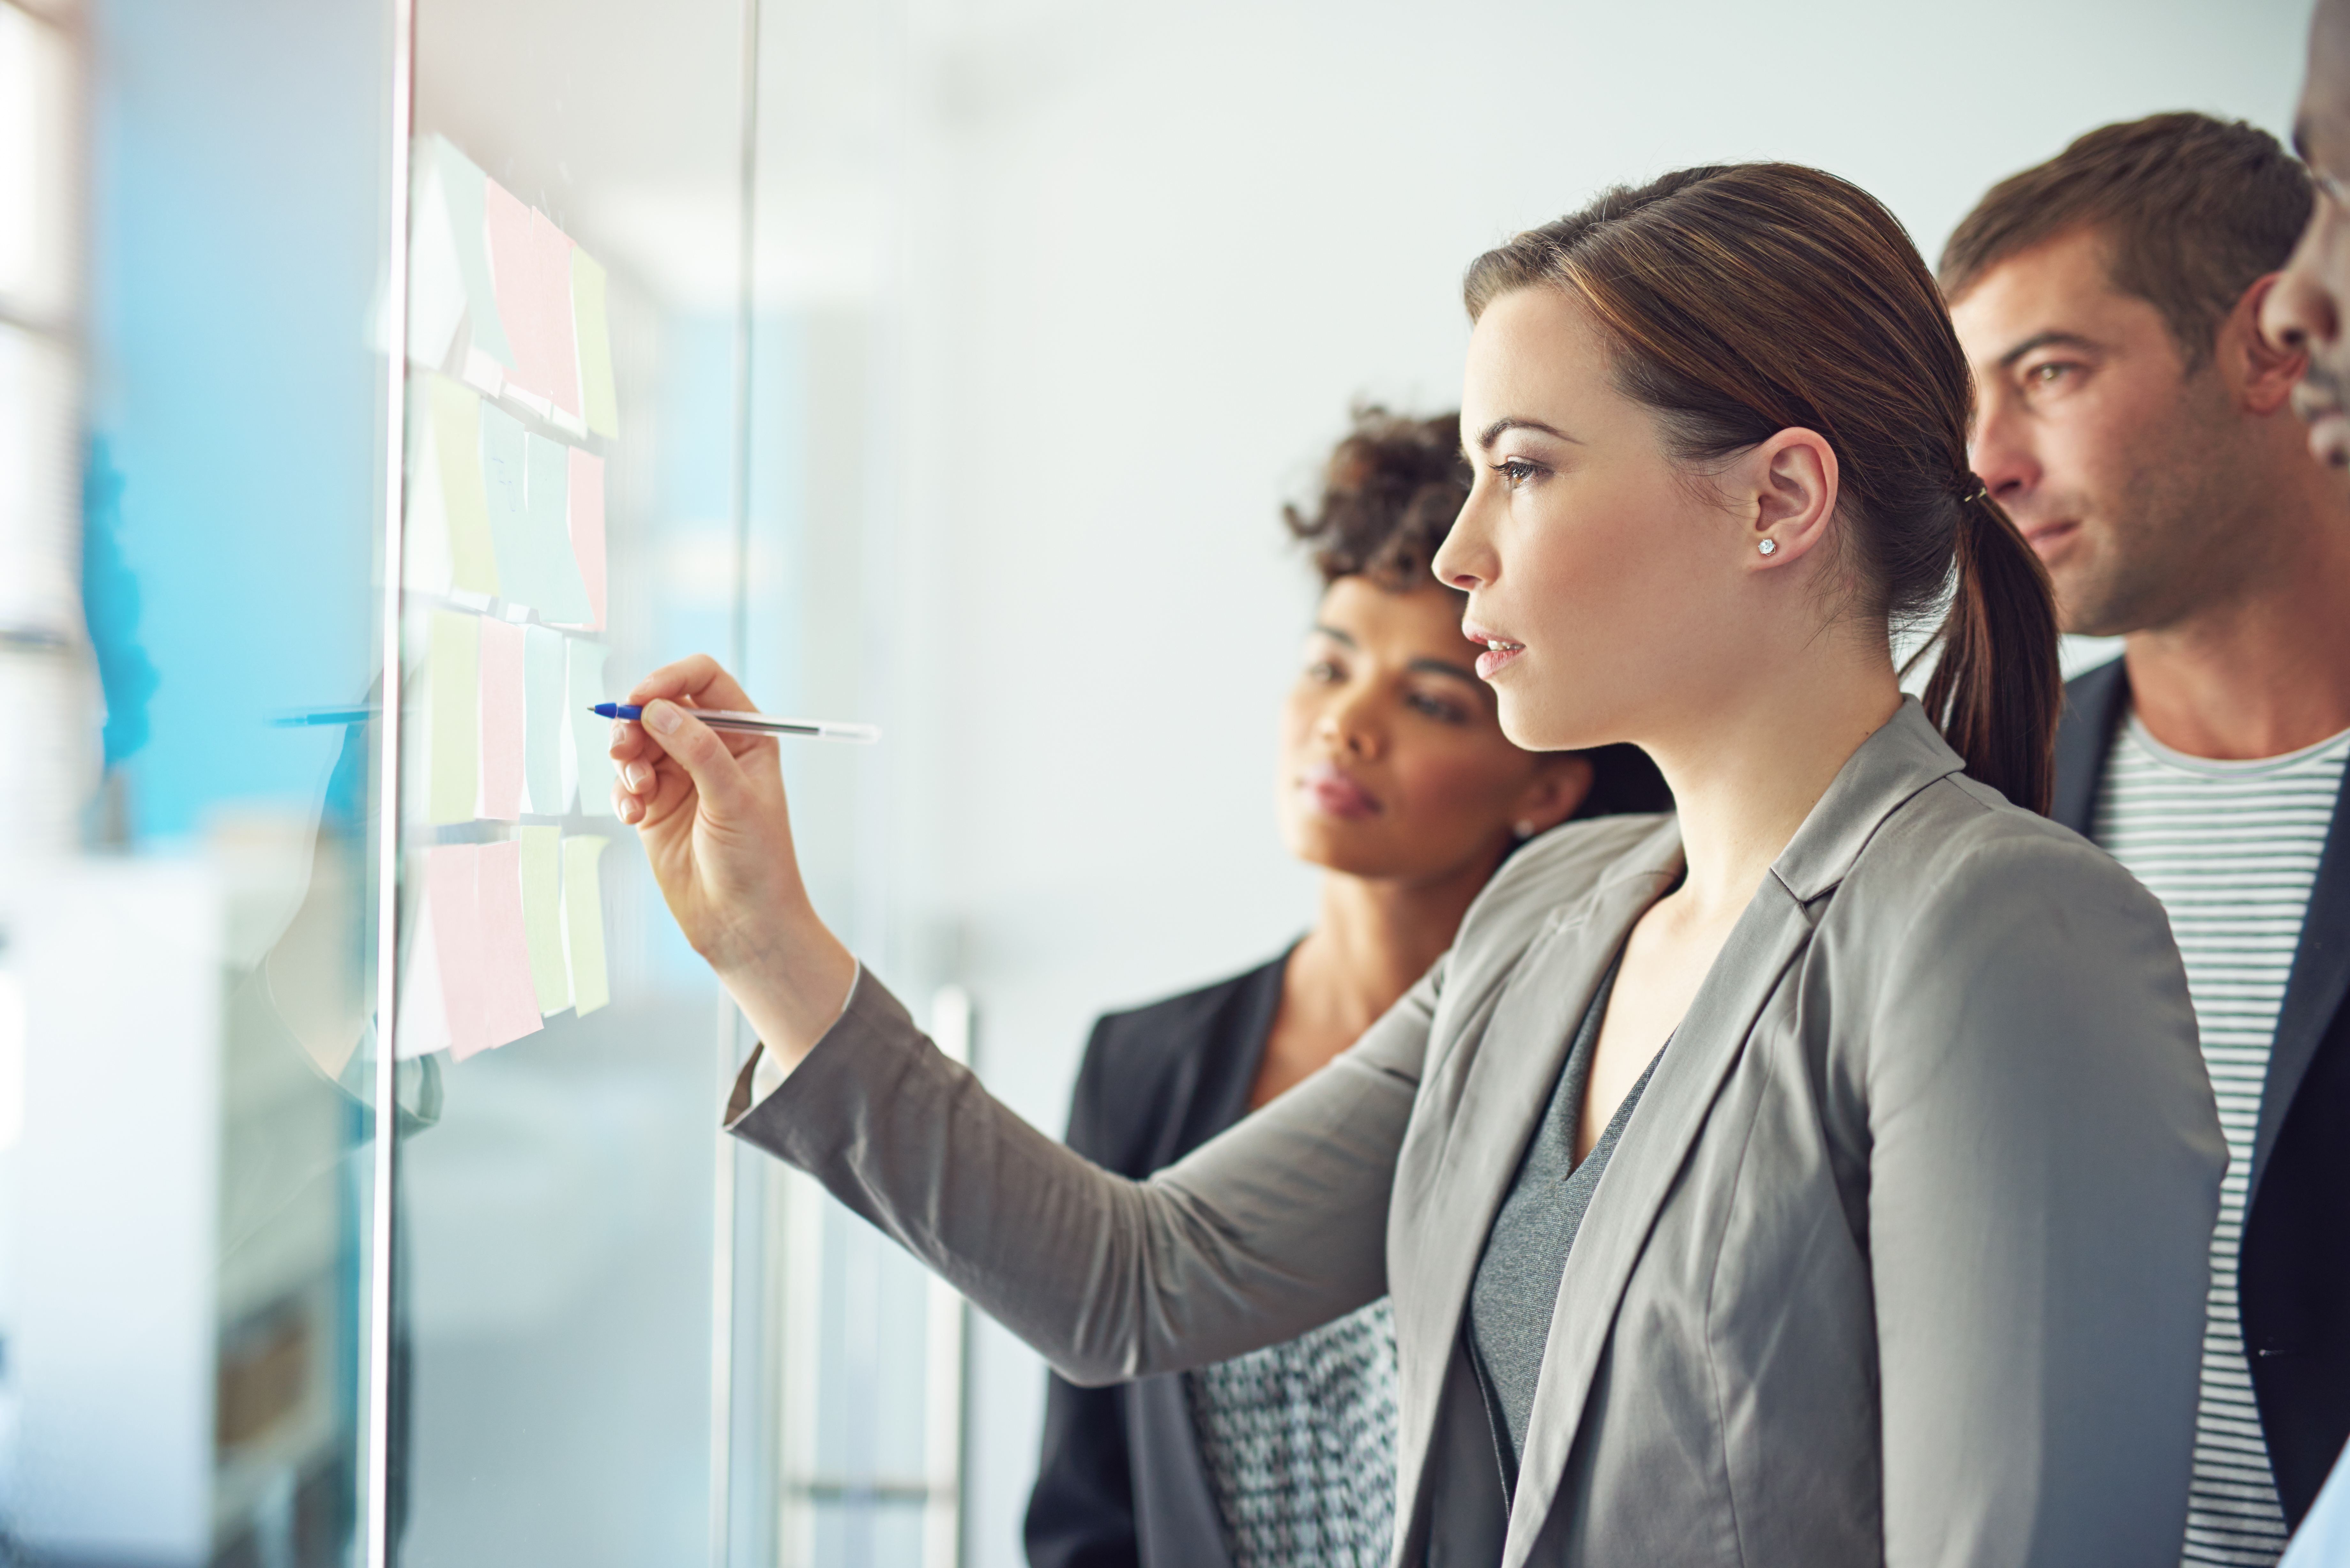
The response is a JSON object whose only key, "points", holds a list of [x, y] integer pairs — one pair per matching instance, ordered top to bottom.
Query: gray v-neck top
{"points": [[1516, 1288]]}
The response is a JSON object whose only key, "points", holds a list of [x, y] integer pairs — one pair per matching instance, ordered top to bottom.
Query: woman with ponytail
{"points": [[1819, 1175]]}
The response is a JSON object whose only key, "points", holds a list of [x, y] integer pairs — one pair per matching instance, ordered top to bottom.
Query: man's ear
{"points": [[2267, 370], [1561, 782]]}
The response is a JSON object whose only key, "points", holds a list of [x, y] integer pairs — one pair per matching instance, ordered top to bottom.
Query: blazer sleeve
{"points": [[2043, 1175], [1275, 1227], [1081, 1513]]}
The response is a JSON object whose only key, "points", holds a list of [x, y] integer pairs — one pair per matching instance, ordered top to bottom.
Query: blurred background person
{"points": [[2305, 309], [2134, 420], [1395, 779]]}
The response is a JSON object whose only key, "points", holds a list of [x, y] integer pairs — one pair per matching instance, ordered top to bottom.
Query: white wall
{"points": [[1144, 258]]}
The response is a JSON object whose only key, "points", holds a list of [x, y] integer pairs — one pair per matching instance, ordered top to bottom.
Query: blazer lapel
{"points": [[2094, 704], [1901, 758], [2313, 990], [1506, 1087]]}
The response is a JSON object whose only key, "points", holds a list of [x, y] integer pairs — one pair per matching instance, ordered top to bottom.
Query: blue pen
{"points": [[758, 723]]}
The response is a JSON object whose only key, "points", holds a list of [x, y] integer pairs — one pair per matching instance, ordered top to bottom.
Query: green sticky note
{"points": [[592, 328], [457, 460], [452, 663], [542, 916], [583, 921]]}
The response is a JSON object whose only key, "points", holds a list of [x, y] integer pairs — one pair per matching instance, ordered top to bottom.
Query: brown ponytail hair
{"points": [[1744, 299]]}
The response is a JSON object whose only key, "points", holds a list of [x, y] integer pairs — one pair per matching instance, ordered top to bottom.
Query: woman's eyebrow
{"points": [[1493, 432], [1333, 633]]}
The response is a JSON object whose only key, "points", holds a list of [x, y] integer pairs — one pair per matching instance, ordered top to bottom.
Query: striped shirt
{"points": [[2231, 850]]}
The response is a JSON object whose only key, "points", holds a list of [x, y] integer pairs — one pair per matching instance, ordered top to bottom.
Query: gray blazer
{"points": [[1901, 1257]]}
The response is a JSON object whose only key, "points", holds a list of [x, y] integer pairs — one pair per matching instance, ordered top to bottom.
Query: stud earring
{"points": [[1769, 546], [1525, 830]]}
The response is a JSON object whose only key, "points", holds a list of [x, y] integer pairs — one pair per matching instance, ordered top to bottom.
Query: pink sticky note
{"points": [[513, 258], [556, 333], [587, 521], [504, 735], [452, 887], [509, 1001]]}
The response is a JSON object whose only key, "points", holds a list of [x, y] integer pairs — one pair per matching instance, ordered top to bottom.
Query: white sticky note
{"points": [[464, 195], [436, 280], [556, 336], [505, 449], [563, 592], [543, 671], [452, 676], [591, 737], [542, 916], [583, 921], [422, 1026]]}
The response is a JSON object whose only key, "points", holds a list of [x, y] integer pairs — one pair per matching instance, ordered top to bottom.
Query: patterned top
{"points": [[2231, 850], [1299, 1440]]}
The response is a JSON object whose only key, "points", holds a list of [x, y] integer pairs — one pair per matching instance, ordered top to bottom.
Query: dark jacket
{"points": [[2293, 1271], [1121, 1483]]}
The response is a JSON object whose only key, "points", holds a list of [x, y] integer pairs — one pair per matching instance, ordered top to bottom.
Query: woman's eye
{"points": [[1516, 470], [1322, 670], [1436, 708]]}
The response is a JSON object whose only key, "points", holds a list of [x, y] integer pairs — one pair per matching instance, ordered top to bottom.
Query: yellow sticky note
{"points": [[593, 329], [457, 458], [452, 662], [542, 916], [583, 921]]}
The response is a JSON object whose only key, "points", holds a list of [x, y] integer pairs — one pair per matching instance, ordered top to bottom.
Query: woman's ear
{"points": [[1786, 497], [1561, 780]]}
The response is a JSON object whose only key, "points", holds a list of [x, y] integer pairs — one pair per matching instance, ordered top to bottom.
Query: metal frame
{"points": [[387, 975]]}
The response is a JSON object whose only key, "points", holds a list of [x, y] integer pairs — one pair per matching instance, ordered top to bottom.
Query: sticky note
{"points": [[464, 199], [514, 268], [436, 280], [592, 332], [555, 336], [457, 469], [505, 491], [586, 529], [424, 566], [562, 594], [541, 698], [452, 705], [503, 734], [591, 737], [452, 893], [542, 916], [583, 921], [509, 1002], [422, 1025]]}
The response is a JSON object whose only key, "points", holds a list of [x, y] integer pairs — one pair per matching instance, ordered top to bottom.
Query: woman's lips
{"points": [[1500, 651], [1332, 794]]}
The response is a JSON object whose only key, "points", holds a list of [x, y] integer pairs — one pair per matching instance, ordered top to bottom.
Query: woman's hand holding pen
{"points": [[709, 809]]}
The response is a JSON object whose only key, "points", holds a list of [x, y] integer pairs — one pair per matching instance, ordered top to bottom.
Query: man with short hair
{"points": [[2310, 306], [2135, 423]]}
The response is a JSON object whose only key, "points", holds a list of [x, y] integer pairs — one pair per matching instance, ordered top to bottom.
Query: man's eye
{"points": [[2049, 374]]}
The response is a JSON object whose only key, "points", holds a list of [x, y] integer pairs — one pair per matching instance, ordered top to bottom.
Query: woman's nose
{"points": [[1347, 727]]}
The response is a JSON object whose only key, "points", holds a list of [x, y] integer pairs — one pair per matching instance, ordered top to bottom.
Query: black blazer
{"points": [[2292, 1275], [1121, 1483]]}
